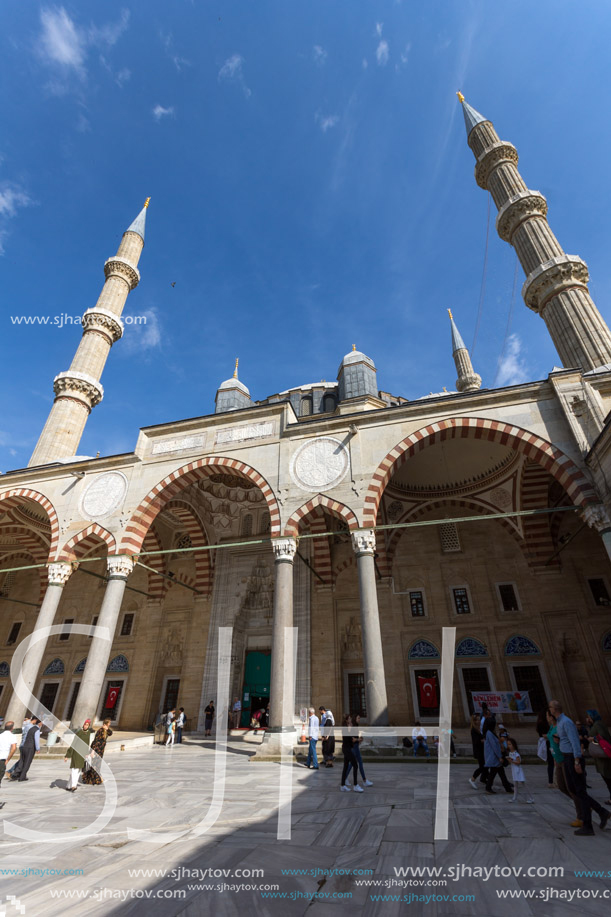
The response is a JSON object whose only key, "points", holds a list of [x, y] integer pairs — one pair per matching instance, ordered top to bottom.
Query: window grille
{"points": [[448, 534]]}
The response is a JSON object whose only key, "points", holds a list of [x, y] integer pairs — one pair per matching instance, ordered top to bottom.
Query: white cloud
{"points": [[379, 27], [108, 34], [168, 43], [64, 45], [382, 53], [405, 53], [319, 54], [365, 63], [232, 72], [120, 77], [160, 112], [326, 122], [12, 199], [139, 337], [512, 367]]}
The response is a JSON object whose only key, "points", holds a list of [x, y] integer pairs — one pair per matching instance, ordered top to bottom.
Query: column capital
{"points": [[597, 517], [363, 541], [284, 549], [119, 566], [60, 573]]}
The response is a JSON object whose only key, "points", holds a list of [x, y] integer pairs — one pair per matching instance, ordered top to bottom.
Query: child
{"points": [[517, 774]]}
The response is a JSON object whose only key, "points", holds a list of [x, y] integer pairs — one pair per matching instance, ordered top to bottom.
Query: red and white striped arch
{"points": [[538, 450], [183, 477], [22, 494], [333, 506], [312, 516], [194, 527], [86, 542], [12, 559], [157, 585]]}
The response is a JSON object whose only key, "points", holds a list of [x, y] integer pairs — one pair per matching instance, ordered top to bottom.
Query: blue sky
{"points": [[311, 188]]}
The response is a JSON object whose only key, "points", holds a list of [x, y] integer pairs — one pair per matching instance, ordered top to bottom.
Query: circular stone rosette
{"points": [[319, 464], [104, 495]]}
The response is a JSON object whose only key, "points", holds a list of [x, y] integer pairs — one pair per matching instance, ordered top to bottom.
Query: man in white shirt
{"points": [[237, 712], [314, 734], [419, 739], [8, 744]]}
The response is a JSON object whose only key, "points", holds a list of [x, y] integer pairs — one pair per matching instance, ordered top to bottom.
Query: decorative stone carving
{"points": [[494, 156], [516, 210], [118, 267], [551, 278], [99, 319], [79, 386], [245, 431], [196, 441], [319, 464], [104, 495], [501, 496], [394, 510], [597, 517], [363, 541], [284, 548], [119, 567], [59, 574], [173, 641], [352, 643], [521, 646], [471, 647], [423, 649], [118, 664], [55, 667], [80, 667]]}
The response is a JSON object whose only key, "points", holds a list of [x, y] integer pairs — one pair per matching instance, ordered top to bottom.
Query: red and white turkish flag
{"points": [[427, 688], [111, 698]]}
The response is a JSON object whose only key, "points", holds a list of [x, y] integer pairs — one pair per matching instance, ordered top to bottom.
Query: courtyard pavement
{"points": [[337, 840]]}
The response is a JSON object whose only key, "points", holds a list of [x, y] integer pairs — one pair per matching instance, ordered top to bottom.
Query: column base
{"points": [[274, 740]]}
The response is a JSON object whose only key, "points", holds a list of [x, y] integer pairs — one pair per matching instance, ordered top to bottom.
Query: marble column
{"points": [[364, 543], [284, 554], [119, 568], [58, 575]]}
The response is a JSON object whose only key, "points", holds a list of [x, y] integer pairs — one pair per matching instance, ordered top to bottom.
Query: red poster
{"points": [[427, 688], [111, 698]]}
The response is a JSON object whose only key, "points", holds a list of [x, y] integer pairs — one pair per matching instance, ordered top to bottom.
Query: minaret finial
{"points": [[461, 97], [147, 202], [450, 314], [353, 348], [235, 372]]}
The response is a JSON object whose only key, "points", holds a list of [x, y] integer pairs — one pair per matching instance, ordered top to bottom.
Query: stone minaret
{"points": [[556, 283], [468, 380], [78, 390]]}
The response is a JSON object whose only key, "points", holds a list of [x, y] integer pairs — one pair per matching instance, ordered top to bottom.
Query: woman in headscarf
{"points": [[598, 730], [76, 756], [91, 776]]}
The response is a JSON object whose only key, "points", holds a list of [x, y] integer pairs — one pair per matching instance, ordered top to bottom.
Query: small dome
{"points": [[356, 356], [233, 383]]}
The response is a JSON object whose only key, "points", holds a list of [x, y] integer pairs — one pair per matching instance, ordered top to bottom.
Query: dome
{"points": [[356, 356], [233, 383]]}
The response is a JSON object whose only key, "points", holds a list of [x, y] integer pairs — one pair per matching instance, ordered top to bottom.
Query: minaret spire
{"points": [[556, 283], [468, 380], [78, 390]]}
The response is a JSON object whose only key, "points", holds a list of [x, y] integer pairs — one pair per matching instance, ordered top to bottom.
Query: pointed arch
{"points": [[559, 465], [178, 480], [18, 495], [333, 506], [312, 515], [194, 527], [538, 537], [86, 541], [8, 560], [157, 585], [519, 645], [471, 646], [423, 649]]}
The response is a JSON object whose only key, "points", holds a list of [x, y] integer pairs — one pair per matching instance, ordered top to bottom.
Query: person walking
{"points": [[236, 712], [209, 717], [180, 722], [327, 722], [170, 727], [25, 728], [598, 730], [313, 734], [419, 739], [477, 743], [8, 744], [570, 746], [30, 747], [357, 750], [76, 756], [493, 758], [349, 759], [558, 759], [517, 772], [91, 774]]}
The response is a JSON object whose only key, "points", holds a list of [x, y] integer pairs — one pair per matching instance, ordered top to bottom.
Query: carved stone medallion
{"points": [[319, 464], [104, 495]]}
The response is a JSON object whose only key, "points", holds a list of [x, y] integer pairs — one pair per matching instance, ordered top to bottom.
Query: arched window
{"points": [[329, 403], [306, 405], [266, 523], [247, 524], [521, 646], [471, 647], [423, 649], [118, 664], [55, 667], [80, 667], [5, 670]]}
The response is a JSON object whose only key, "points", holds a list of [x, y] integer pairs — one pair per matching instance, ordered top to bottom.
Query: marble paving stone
{"points": [[476, 824], [342, 831], [369, 836], [408, 850]]}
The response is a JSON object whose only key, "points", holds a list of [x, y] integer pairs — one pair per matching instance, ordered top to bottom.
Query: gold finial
{"points": [[461, 97], [147, 202], [450, 314], [353, 348], [235, 372], [445, 389]]}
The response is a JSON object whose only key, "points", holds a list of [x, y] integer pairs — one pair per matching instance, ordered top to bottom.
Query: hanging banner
{"points": [[427, 689], [111, 698], [502, 701]]}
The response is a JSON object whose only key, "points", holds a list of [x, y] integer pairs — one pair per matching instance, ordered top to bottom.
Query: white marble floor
{"points": [[389, 826]]}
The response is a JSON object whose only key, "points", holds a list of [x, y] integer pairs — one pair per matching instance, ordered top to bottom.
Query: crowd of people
{"points": [[173, 724], [563, 745], [351, 746]]}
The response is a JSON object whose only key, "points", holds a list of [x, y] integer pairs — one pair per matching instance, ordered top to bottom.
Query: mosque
{"points": [[366, 520]]}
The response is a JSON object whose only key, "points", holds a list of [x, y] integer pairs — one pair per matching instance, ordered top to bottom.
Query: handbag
{"points": [[542, 748]]}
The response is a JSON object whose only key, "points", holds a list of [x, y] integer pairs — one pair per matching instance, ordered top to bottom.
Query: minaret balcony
{"points": [[493, 157], [518, 209], [119, 267], [553, 277], [103, 321], [78, 387]]}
